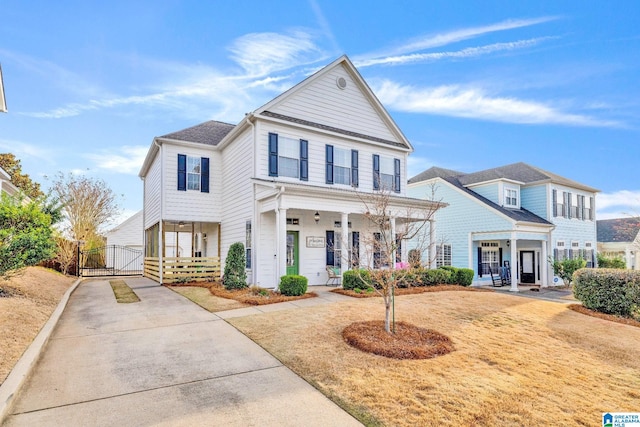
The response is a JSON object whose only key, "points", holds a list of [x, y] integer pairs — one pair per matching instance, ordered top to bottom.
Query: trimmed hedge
{"points": [[235, 275], [459, 276], [434, 277], [352, 279], [293, 285], [610, 291]]}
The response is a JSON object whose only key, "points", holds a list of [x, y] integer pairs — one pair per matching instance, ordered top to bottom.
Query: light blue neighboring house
{"points": [[515, 216]]}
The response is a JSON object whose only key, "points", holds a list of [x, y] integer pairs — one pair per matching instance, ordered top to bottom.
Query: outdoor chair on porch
{"points": [[334, 276], [495, 277]]}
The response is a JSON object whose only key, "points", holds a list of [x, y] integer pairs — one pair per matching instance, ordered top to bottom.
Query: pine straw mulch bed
{"points": [[410, 291], [251, 296], [610, 317], [408, 341]]}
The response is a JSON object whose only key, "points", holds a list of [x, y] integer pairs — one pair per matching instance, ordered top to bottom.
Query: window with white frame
{"points": [[288, 157], [341, 166], [193, 173], [387, 173], [511, 197], [575, 206], [588, 213], [248, 244], [560, 252], [443, 255], [490, 256]]}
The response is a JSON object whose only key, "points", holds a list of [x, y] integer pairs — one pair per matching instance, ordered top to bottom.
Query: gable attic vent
{"points": [[341, 82]]}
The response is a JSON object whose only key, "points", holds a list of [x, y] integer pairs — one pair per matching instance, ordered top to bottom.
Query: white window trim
{"points": [[517, 197]]}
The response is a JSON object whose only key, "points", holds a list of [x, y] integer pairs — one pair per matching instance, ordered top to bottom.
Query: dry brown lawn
{"points": [[35, 295], [245, 297], [204, 298], [518, 361]]}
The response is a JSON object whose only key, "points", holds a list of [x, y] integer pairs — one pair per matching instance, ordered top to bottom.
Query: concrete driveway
{"points": [[161, 361]]}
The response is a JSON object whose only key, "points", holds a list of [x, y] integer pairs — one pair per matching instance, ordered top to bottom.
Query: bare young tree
{"points": [[88, 205], [392, 224]]}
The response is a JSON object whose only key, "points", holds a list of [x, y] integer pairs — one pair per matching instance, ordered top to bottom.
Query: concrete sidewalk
{"points": [[162, 361]]}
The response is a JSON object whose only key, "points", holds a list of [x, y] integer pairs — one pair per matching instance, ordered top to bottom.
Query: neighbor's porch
{"points": [[182, 251]]}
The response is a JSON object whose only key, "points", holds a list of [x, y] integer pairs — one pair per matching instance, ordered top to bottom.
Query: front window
{"points": [[288, 157], [341, 166], [387, 171], [193, 173], [511, 197], [248, 243], [443, 255], [490, 257]]}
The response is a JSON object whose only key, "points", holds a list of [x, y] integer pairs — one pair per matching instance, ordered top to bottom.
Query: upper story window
{"points": [[288, 157], [341, 166], [193, 173], [386, 173], [511, 197], [574, 203], [570, 205]]}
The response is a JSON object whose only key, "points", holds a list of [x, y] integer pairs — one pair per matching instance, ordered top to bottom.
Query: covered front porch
{"points": [[182, 251], [522, 255]]}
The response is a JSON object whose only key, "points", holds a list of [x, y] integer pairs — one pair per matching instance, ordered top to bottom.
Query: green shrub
{"points": [[611, 262], [564, 269], [235, 275], [464, 276], [434, 277], [453, 277], [408, 278], [352, 279], [293, 285], [610, 291]]}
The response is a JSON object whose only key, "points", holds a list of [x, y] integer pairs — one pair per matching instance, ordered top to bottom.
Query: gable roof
{"points": [[343, 61], [209, 133], [453, 177], [618, 229]]}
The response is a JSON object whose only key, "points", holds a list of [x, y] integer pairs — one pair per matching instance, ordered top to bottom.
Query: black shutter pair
{"points": [[273, 157], [329, 166], [182, 173], [376, 173]]}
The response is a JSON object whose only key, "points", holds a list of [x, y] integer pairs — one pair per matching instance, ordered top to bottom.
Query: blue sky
{"points": [[473, 85]]}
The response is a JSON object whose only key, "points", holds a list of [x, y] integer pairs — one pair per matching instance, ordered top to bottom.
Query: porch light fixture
{"points": [[316, 216], [181, 224], [508, 243]]}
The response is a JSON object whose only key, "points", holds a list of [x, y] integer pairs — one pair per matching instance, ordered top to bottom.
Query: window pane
{"points": [[288, 147], [341, 157], [386, 166], [288, 167], [341, 175], [193, 181], [386, 181]]}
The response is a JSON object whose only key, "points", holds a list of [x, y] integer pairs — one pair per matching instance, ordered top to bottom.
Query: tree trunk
{"points": [[387, 314]]}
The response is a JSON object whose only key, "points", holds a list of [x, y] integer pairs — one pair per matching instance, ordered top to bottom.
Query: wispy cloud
{"points": [[324, 25], [443, 39], [464, 53], [471, 102], [23, 149], [127, 160], [629, 199]]}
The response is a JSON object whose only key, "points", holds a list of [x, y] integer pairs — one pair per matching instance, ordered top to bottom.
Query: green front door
{"points": [[292, 252]]}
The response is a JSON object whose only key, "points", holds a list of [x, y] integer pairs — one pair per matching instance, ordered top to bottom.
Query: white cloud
{"points": [[437, 40], [464, 53], [260, 54], [471, 102], [23, 150], [128, 160], [621, 203]]}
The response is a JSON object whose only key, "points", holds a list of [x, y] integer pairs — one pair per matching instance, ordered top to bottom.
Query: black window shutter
{"points": [[273, 154], [304, 160], [329, 163], [354, 168], [182, 172], [376, 172], [204, 174], [396, 175], [554, 201], [565, 204], [569, 205], [580, 207], [593, 207], [330, 252], [555, 254], [500, 256], [479, 261]]}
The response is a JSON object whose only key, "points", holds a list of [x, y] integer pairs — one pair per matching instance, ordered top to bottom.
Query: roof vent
{"points": [[341, 82]]}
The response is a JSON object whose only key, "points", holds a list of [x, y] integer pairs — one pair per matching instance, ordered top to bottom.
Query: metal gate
{"points": [[112, 260]]}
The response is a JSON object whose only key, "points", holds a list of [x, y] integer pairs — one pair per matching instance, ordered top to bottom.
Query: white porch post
{"points": [[392, 227], [344, 240], [432, 244], [281, 245], [161, 250], [627, 256], [514, 263], [545, 265]]}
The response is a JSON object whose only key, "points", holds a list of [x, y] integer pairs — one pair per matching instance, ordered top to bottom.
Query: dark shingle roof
{"points": [[209, 133], [434, 172], [618, 229]]}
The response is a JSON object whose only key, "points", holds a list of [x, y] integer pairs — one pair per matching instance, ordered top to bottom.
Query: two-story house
{"points": [[286, 181], [516, 216]]}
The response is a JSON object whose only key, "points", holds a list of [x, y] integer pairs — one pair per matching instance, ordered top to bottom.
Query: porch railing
{"points": [[183, 269]]}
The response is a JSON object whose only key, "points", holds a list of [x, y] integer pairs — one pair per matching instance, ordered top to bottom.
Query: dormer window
{"points": [[510, 198]]}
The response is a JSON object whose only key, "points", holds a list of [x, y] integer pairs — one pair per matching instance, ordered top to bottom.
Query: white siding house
{"points": [[287, 181], [6, 186], [516, 217]]}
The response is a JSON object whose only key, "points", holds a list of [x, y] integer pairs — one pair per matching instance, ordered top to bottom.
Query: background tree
{"points": [[12, 166], [88, 205], [387, 228], [25, 234], [611, 262]]}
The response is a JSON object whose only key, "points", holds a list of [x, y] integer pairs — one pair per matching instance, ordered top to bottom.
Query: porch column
{"points": [[392, 227], [344, 240], [432, 244], [281, 245], [161, 250], [627, 257], [514, 264], [544, 269]]}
